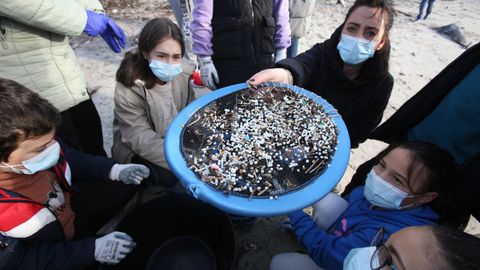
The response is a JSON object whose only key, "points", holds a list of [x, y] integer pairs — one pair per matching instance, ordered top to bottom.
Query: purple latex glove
{"points": [[101, 24]]}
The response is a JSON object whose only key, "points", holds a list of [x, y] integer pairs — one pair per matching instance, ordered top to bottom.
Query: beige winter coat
{"points": [[300, 13], [34, 48], [141, 117]]}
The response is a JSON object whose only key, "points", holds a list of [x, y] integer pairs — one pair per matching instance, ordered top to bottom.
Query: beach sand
{"points": [[418, 54]]}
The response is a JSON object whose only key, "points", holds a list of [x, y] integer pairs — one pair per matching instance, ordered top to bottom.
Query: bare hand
{"points": [[270, 75]]}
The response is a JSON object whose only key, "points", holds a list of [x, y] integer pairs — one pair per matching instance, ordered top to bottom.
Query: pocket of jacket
{"points": [[227, 37], [267, 38]]}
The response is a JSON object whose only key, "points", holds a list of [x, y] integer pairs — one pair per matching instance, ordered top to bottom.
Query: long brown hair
{"points": [[135, 65]]}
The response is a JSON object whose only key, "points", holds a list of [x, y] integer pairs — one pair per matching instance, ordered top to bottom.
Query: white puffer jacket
{"points": [[300, 13], [34, 48]]}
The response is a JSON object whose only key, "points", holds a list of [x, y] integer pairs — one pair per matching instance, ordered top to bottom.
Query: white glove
{"points": [[280, 54], [208, 72], [129, 173], [113, 247]]}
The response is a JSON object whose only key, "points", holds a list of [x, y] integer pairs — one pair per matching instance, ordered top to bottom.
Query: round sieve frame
{"points": [[240, 205]]}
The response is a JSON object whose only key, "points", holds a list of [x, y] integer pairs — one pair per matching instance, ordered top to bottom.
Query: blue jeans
{"points": [[422, 6], [292, 51]]}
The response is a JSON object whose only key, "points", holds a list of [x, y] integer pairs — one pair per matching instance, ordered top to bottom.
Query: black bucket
{"points": [[171, 216], [182, 253]]}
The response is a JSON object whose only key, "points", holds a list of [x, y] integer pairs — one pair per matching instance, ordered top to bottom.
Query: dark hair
{"points": [[379, 63], [134, 66], [25, 115], [435, 163], [458, 249]]}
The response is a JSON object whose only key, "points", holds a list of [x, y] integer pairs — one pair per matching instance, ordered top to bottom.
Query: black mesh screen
{"points": [[260, 142]]}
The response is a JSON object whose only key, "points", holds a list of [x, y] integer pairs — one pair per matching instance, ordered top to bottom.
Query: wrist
{"points": [[204, 59], [288, 76], [114, 172]]}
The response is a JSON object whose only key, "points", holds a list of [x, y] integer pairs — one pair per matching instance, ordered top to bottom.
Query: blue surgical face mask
{"points": [[355, 50], [163, 71], [45, 160], [381, 193], [360, 258]]}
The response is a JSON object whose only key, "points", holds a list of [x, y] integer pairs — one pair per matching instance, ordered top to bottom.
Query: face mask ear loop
{"points": [[5, 165], [11, 167]]}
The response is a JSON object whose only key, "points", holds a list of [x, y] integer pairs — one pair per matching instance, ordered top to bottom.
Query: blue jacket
{"points": [[355, 228], [43, 246]]}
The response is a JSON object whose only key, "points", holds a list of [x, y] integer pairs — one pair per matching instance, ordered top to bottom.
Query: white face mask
{"points": [[165, 72], [45, 160], [381, 193], [359, 259]]}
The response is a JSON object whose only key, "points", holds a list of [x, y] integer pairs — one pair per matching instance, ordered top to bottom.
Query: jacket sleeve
{"points": [[93, 5], [63, 17], [282, 24], [201, 27], [305, 65], [188, 68], [191, 94], [370, 117], [135, 130], [85, 166], [327, 250], [20, 255]]}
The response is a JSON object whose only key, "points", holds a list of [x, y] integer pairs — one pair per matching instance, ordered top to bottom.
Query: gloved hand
{"points": [[101, 24], [280, 54], [208, 72], [129, 173], [113, 247]]}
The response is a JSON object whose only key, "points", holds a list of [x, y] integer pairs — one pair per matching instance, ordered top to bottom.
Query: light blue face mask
{"points": [[355, 50], [163, 71], [45, 160], [381, 193], [360, 258]]}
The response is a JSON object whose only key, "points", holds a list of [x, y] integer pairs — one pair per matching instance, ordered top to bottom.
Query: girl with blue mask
{"points": [[153, 84], [408, 176], [408, 186]]}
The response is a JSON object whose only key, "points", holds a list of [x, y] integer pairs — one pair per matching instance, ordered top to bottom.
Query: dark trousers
{"points": [[422, 6], [292, 51], [81, 128], [158, 175], [95, 203]]}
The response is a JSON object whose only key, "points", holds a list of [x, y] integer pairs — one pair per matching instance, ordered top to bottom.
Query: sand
{"points": [[418, 54]]}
